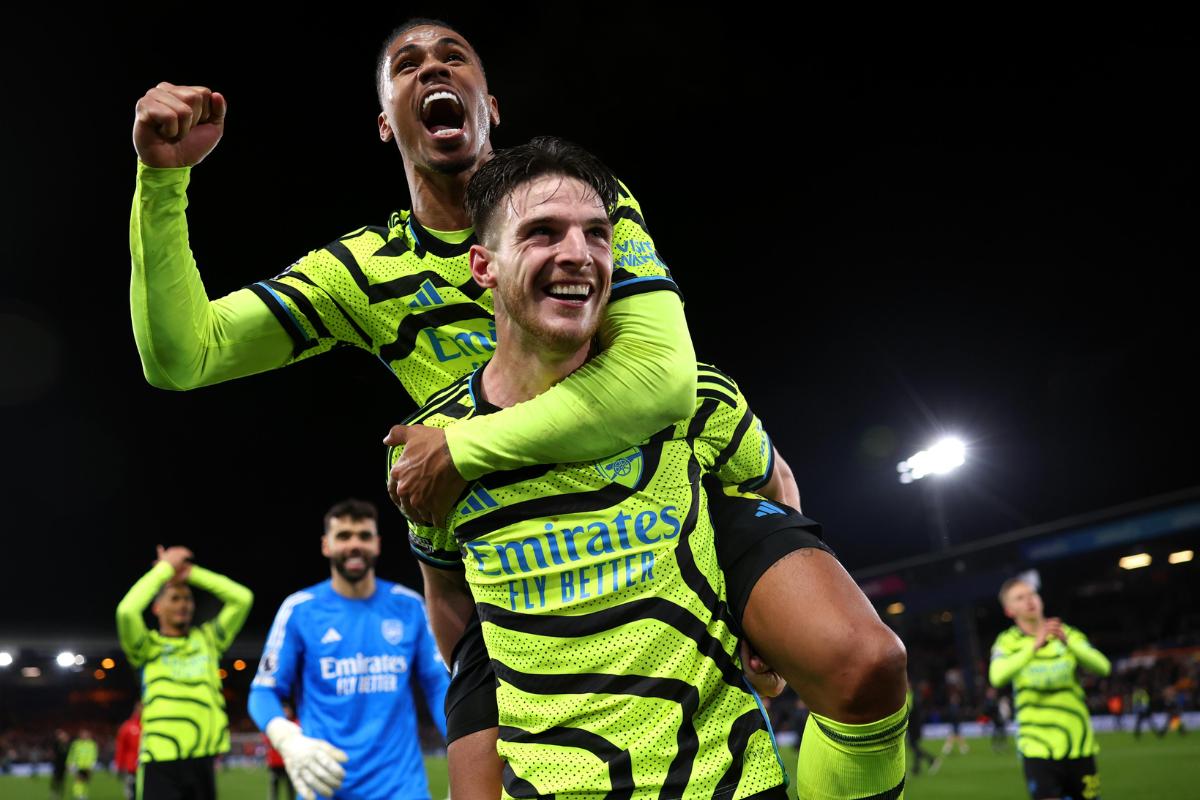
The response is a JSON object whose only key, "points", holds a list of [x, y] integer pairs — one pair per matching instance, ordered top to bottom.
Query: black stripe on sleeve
{"points": [[631, 214], [652, 284], [303, 304], [341, 310], [300, 340], [711, 375], [717, 394], [735, 442]]}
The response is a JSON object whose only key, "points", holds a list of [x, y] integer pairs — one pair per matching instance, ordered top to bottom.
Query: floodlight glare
{"points": [[945, 456], [1180, 557], [1135, 562], [896, 608], [6, 659], [66, 659], [79, 660]]}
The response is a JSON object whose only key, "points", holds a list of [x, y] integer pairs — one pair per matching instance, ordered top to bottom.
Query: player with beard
{"points": [[345, 651]]}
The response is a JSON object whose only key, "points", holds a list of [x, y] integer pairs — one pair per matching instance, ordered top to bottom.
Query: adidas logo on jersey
{"points": [[426, 296], [477, 501], [766, 509], [331, 636]]}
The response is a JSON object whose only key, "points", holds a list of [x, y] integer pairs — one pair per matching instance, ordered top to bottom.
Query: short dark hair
{"points": [[405, 27], [514, 166], [352, 508], [1010, 583]]}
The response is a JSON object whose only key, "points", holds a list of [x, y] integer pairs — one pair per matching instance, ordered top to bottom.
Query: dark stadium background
{"points": [[883, 231]]}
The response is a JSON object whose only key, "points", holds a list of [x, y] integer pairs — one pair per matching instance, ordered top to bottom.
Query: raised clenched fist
{"points": [[177, 126]]}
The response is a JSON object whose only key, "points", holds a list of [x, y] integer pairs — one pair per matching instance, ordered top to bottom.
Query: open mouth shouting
{"points": [[442, 114]]}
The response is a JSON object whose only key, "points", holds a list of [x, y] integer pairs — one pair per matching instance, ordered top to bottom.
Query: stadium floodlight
{"points": [[945, 456], [1180, 557], [1135, 561], [896, 608], [6, 659], [66, 659], [79, 659], [108, 663], [239, 665]]}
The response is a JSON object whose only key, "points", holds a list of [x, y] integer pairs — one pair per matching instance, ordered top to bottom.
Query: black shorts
{"points": [[752, 534], [471, 697], [1068, 778], [182, 779]]}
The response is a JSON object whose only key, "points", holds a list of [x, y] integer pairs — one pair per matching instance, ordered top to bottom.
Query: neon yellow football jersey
{"points": [[604, 609]]}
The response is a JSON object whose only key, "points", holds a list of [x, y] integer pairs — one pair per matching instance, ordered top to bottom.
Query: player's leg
{"points": [[808, 619], [472, 721]]}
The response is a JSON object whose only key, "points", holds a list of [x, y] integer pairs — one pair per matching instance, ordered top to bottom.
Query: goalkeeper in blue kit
{"points": [[347, 650]]}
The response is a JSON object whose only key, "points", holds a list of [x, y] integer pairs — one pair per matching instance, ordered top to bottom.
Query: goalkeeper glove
{"points": [[314, 765]]}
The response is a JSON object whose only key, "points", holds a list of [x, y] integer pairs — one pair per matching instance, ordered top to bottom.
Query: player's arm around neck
{"points": [[183, 339], [642, 381]]}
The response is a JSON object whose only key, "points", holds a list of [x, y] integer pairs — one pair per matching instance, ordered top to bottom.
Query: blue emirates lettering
{"points": [[465, 344], [567, 544], [564, 545], [594, 580]]}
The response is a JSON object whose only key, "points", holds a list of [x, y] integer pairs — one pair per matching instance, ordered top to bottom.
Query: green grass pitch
{"points": [[1151, 768]]}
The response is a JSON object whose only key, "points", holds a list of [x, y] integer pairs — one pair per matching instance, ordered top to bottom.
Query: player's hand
{"points": [[177, 126], [423, 483], [180, 559], [1054, 630], [766, 681], [314, 765]]}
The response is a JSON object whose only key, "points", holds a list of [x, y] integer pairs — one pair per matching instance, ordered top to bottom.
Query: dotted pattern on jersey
{"points": [[419, 311], [603, 611]]}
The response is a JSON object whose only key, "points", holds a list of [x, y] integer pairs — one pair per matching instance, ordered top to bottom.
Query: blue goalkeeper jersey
{"points": [[347, 665]]}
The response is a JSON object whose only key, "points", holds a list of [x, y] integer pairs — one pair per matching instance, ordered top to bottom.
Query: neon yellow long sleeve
{"points": [[184, 340], [644, 380], [236, 602], [131, 627], [1088, 657], [1004, 667]]}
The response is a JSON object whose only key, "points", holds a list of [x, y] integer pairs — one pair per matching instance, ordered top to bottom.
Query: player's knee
{"points": [[873, 683]]}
